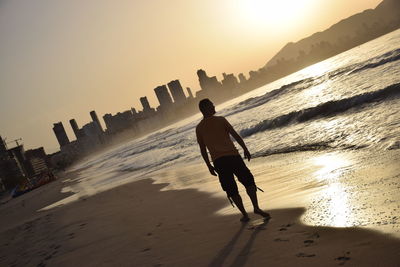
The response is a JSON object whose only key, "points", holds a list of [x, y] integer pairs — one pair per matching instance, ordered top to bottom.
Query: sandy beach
{"points": [[148, 223]]}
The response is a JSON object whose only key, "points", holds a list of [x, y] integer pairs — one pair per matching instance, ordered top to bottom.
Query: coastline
{"points": [[146, 223]]}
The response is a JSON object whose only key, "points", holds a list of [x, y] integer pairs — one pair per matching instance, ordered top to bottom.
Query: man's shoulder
{"points": [[219, 117], [213, 118], [210, 119], [199, 125]]}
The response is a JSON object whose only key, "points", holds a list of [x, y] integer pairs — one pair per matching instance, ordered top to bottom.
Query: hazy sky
{"points": [[61, 59]]}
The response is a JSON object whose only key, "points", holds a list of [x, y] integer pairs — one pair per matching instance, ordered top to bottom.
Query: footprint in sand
{"points": [[259, 224], [28, 226], [285, 226], [313, 235], [311, 238], [281, 240], [308, 242], [55, 249], [304, 255], [48, 258], [343, 258]]}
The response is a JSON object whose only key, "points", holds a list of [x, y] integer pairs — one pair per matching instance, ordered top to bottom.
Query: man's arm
{"points": [[240, 141], [204, 154]]}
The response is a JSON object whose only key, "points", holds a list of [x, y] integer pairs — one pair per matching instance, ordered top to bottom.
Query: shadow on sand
{"points": [[242, 256]]}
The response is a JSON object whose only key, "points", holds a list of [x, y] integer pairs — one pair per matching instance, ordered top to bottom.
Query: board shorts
{"points": [[226, 167]]}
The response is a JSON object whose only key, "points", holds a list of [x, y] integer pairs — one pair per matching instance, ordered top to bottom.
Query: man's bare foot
{"points": [[262, 213], [245, 218]]}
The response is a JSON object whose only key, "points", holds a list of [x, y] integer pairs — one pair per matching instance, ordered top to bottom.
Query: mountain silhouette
{"points": [[347, 33]]}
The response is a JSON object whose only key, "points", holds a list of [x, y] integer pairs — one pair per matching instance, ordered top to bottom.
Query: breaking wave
{"points": [[388, 57], [254, 102], [323, 110], [327, 145]]}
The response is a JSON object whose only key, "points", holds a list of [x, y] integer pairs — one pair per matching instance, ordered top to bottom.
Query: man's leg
{"points": [[223, 167], [246, 178], [252, 192], [239, 203]]}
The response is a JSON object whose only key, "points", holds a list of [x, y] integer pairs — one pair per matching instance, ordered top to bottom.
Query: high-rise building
{"points": [[202, 75], [242, 78], [229, 82], [208, 83], [176, 90], [189, 92], [163, 96], [145, 103], [96, 120], [108, 121], [119, 121], [74, 127], [60, 133], [3, 148], [37, 161], [11, 170]]}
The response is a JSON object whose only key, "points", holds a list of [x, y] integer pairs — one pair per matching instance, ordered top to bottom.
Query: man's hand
{"points": [[247, 154], [211, 169]]}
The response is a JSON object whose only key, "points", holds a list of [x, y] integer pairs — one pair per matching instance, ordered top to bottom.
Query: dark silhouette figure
{"points": [[213, 133]]}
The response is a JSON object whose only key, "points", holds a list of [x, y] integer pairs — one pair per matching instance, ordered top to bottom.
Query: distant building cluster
{"points": [[174, 104], [18, 165]]}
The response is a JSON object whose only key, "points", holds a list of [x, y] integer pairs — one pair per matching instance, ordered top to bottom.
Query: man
{"points": [[213, 133]]}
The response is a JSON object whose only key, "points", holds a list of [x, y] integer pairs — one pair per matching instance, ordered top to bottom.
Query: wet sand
{"points": [[144, 223]]}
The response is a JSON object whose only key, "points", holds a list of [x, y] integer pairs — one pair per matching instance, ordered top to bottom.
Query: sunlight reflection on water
{"points": [[318, 69], [330, 165], [339, 208], [335, 209]]}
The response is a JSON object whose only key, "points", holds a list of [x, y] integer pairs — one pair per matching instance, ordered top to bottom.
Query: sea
{"points": [[326, 137]]}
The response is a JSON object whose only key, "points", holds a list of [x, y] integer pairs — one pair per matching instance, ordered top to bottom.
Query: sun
{"points": [[274, 14]]}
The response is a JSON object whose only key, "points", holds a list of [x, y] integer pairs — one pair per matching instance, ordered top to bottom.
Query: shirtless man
{"points": [[213, 133]]}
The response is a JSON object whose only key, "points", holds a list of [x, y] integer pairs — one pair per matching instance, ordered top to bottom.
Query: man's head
{"points": [[207, 107]]}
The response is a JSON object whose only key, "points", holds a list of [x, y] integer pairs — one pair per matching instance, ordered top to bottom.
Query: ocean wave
{"points": [[388, 57], [254, 102], [323, 110], [179, 141], [394, 145], [321, 146], [294, 148], [152, 166]]}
